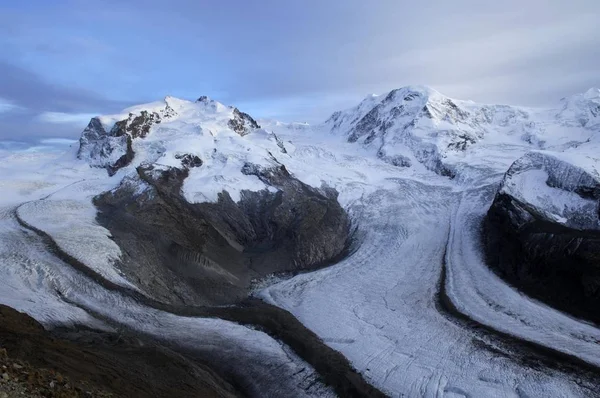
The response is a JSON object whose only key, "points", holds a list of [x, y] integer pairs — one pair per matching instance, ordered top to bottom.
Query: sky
{"points": [[64, 61]]}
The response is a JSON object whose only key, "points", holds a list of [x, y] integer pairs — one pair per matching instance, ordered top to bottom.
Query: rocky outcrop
{"points": [[242, 123], [136, 126], [104, 149], [113, 149], [188, 160], [542, 232], [209, 253]]}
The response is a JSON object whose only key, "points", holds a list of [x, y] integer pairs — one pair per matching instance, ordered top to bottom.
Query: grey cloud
{"points": [[530, 53], [27, 90], [31, 96], [25, 127]]}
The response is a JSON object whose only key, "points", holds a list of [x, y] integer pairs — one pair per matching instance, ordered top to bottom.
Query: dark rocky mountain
{"points": [[543, 232], [209, 253], [62, 363]]}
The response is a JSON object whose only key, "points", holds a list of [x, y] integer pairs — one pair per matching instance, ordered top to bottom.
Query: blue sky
{"points": [[63, 61]]}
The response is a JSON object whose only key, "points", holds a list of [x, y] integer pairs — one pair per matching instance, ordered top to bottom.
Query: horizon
{"points": [[293, 62]]}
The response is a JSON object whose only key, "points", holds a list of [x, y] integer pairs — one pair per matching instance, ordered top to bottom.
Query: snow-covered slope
{"points": [[581, 110], [170, 131], [553, 189]]}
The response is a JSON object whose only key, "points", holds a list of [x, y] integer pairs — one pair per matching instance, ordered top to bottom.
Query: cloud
{"points": [[28, 90], [7, 106], [31, 107], [69, 118], [25, 126], [48, 146]]}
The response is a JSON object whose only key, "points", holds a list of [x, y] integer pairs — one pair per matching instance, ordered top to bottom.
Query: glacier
{"points": [[413, 305]]}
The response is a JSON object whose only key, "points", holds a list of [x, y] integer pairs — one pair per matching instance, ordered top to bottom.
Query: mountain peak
{"points": [[417, 89], [406, 93], [409, 93], [592, 94], [172, 98], [108, 141]]}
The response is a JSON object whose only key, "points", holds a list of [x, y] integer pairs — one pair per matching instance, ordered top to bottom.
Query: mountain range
{"points": [[412, 245]]}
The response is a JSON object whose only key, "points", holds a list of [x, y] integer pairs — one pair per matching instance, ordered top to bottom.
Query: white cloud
{"points": [[7, 106], [65, 118]]}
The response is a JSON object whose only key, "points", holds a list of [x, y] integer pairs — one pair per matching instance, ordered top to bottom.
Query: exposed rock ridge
{"points": [[113, 149], [543, 232], [209, 253]]}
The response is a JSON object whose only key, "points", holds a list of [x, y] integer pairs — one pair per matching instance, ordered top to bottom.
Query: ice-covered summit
{"points": [[582, 109], [417, 125], [112, 141]]}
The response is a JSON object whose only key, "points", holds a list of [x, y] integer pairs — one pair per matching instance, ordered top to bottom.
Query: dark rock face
{"points": [[242, 123], [136, 126], [280, 144], [104, 149], [113, 150], [123, 160], [188, 160], [209, 253], [556, 262]]}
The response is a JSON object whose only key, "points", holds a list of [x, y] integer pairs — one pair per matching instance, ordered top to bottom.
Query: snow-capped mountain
{"points": [[582, 110], [417, 124], [107, 140], [367, 229], [543, 230]]}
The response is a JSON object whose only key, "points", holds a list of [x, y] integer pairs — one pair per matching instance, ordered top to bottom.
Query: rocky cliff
{"points": [[543, 231]]}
